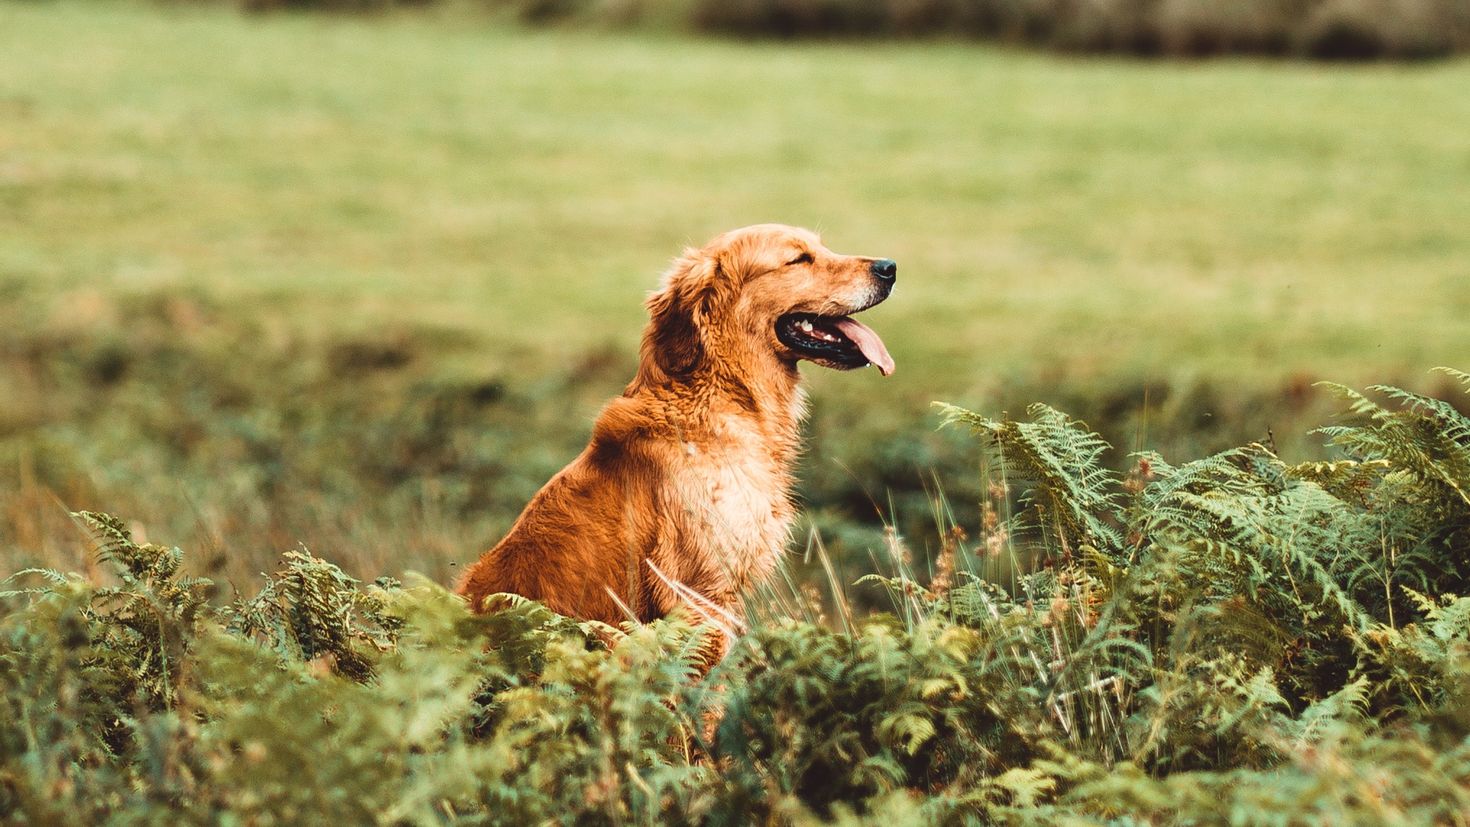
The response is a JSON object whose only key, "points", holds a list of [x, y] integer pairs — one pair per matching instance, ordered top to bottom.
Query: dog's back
{"points": [[573, 547]]}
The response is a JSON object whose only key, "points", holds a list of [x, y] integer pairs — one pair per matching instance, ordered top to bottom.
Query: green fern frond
{"points": [[1458, 375], [1423, 436], [1073, 495], [53, 577], [311, 609]]}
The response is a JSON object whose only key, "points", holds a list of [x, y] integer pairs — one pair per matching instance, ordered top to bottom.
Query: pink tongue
{"points": [[868, 342]]}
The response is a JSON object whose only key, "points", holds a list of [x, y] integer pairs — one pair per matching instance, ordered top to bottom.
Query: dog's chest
{"points": [[733, 491]]}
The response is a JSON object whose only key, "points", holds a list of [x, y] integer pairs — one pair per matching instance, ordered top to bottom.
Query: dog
{"points": [[682, 499]]}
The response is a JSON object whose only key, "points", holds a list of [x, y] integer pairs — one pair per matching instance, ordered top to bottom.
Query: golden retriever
{"points": [[682, 499]]}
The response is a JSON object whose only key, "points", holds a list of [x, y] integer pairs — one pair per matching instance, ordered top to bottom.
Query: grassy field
{"points": [[361, 283]]}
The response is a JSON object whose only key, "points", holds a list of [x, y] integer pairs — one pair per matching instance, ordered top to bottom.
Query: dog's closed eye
{"points": [[804, 258]]}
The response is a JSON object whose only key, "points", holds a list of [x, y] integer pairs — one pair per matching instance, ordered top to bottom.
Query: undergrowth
{"points": [[1228, 640]]}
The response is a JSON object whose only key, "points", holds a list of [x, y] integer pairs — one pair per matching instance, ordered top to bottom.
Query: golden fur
{"points": [[688, 474]]}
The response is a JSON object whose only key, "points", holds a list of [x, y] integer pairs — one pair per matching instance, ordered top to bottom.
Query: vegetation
{"points": [[1322, 29], [1331, 29], [355, 286], [1218, 641]]}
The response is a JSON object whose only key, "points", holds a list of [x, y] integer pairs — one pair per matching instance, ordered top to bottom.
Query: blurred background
{"points": [[358, 275]]}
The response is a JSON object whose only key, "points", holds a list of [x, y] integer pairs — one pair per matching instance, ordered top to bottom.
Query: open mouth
{"points": [[839, 342]]}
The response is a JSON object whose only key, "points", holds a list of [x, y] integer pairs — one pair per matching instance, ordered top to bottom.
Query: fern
{"points": [[1425, 437], [1071, 500], [312, 610], [148, 621], [1222, 640]]}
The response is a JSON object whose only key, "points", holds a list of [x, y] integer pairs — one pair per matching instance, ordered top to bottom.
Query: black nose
{"points": [[885, 269]]}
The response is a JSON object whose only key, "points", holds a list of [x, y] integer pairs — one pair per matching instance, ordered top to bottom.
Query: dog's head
{"points": [[768, 288]]}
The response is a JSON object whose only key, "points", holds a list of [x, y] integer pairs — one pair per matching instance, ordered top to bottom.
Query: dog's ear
{"points": [[674, 340]]}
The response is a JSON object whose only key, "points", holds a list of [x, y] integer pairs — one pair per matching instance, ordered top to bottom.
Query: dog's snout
{"points": [[885, 270]]}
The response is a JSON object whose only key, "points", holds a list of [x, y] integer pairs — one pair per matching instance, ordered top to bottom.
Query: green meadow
{"points": [[362, 283], [311, 304]]}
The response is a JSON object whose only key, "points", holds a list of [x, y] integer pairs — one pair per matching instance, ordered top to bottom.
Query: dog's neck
{"points": [[764, 393]]}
